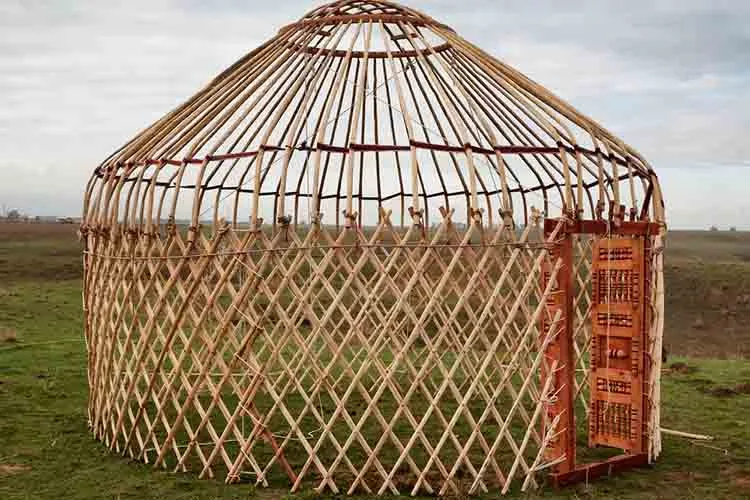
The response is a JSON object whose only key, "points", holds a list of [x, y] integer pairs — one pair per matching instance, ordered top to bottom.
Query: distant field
{"points": [[39, 252], [707, 277], [46, 450]]}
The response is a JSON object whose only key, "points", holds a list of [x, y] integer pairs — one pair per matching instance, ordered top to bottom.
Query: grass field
{"points": [[47, 451]]}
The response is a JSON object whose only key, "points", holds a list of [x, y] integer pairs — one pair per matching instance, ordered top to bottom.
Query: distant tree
{"points": [[13, 214], [714, 228], [733, 229]]}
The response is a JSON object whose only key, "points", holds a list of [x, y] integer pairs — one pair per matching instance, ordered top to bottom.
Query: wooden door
{"points": [[617, 355]]}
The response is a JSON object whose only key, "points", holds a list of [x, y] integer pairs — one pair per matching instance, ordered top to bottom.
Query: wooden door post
{"points": [[560, 349]]}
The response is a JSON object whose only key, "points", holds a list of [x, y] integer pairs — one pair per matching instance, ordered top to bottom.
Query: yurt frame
{"points": [[453, 351]]}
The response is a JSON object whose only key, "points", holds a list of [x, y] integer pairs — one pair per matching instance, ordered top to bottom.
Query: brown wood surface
{"points": [[560, 351], [595, 470]]}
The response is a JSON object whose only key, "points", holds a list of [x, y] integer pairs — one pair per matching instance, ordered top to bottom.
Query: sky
{"points": [[78, 78]]}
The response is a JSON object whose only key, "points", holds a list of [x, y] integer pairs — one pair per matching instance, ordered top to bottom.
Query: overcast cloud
{"points": [[672, 77]]}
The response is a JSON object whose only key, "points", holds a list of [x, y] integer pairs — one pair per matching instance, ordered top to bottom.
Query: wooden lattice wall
{"points": [[362, 362]]}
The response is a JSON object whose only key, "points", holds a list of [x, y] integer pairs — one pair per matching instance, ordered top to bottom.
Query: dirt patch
{"points": [[8, 335], [683, 368], [720, 391], [726, 391], [8, 469], [738, 475], [688, 476]]}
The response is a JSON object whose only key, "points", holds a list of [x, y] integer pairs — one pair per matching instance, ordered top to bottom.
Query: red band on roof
{"points": [[377, 147], [332, 149]]}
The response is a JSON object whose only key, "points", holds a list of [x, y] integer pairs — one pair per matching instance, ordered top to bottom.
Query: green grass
{"points": [[43, 425], [47, 450]]}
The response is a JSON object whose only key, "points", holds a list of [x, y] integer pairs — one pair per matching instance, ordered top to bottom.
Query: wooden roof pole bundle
{"points": [[220, 325]]}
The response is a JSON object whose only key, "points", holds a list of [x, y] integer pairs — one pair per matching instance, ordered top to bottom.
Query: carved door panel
{"points": [[619, 325]]}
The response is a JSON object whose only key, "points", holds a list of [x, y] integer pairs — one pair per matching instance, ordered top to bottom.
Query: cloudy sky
{"points": [[671, 77]]}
